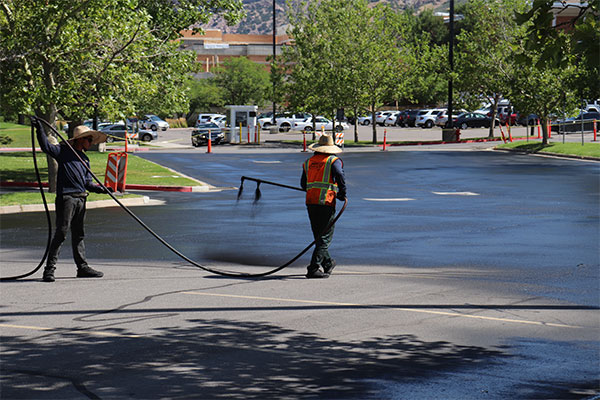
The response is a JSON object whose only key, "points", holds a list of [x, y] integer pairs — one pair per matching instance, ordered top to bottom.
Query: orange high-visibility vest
{"points": [[320, 187]]}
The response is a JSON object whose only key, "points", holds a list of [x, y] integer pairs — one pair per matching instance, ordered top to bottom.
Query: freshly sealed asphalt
{"points": [[462, 274]]}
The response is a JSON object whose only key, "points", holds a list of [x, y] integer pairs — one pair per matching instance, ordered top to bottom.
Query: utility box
{"points": [[241, 124]]}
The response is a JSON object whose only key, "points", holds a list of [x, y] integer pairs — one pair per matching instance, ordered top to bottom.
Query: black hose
{"points": [[49, 220], [163, 241]]}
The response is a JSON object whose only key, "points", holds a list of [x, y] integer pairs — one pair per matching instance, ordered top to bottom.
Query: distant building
{"points": [[566, 11], [214, 46]]}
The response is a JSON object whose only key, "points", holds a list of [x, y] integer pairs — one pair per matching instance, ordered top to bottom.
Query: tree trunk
{"points": [[495, 102], [50, 117], [544, 122], [374, 123], [355, 125]]}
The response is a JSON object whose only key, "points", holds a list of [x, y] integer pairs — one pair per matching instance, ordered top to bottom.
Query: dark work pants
{"points": [[70, 213], [320, 217]]}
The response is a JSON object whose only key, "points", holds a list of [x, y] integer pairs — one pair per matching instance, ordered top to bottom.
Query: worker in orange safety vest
{"points": [[324, 181]]}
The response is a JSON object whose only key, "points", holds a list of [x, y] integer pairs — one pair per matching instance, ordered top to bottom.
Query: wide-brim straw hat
{"points": [[82, 131], [325, 145]]}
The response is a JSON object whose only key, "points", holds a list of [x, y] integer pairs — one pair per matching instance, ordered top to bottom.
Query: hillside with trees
{"points": [[259, 14]]}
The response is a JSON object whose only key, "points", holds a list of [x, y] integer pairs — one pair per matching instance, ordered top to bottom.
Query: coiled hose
{"points": [[147, 228]]}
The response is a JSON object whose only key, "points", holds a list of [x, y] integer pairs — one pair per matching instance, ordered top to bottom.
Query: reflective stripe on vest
{"points": [[320, 188]]}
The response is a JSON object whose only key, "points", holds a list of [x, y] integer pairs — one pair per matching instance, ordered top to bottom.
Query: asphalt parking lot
{"points": [[463, 274]]}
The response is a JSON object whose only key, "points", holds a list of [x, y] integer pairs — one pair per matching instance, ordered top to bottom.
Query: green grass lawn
{"points": [[20, 134], [572, 149], [19, 167]]}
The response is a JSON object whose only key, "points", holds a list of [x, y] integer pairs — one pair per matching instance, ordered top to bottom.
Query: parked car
{"points": [[209, 117], [380, 118], [391, 118], [407, 118], [426, 118], [442, 118], [367, 119], [474, 120], [221, 121], [284, 121], [154, 122], [90, 124], [307, 125], [571, 125], [201, 131], [117, 132]]}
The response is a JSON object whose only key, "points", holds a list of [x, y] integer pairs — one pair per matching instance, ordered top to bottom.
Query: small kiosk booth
{"points": [[241, 121]]}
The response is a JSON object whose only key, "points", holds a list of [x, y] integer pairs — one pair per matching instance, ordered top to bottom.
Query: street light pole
{"points": [[273, 61], [451, 63]]}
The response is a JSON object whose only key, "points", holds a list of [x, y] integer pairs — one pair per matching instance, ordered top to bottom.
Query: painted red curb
{"points": [[442, 142], [21, 184], [131, 186], [159, 188]]}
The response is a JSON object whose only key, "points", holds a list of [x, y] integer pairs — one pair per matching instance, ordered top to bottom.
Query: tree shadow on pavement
{"points": [[217, 358]]}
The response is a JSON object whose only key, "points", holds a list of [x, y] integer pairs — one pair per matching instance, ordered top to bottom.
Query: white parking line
{"points": [[266, 162], [456, 193], [390, 199]]}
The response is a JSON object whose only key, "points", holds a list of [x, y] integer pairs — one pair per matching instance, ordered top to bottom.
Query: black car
{"points": [[407, 118], [473, 120], [571, 125], [201, 131]]}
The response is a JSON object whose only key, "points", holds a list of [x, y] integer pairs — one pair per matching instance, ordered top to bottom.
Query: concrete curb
{"points": [[162, 188], [138, 201]]}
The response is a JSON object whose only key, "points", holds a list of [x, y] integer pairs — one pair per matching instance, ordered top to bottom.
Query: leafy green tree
{"points": [[575, 41], [486, 51], [425, 53], [344, 55], [114, 57], [243, 81], [204, 95]]}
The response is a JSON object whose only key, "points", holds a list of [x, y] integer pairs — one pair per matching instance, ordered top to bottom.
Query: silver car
{"points": [[117, 132]]}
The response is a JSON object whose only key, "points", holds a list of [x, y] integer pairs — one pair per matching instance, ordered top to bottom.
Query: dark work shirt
{"points": [[337, 172], [73, 177]]}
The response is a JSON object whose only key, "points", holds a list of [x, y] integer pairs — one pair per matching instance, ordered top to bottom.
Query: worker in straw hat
{"points": [[323, 179], [73, 182]]}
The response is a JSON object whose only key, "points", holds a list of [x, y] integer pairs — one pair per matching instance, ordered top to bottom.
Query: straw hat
{"points": [[82, 131], [325, 145]]}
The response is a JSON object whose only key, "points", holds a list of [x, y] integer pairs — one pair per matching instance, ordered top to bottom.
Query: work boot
{"points": [[327, 269], [88, 272], [315, 273], [48, 274]]}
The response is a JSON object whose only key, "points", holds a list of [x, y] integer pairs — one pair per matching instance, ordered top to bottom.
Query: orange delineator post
{"points": [[539, 126], [549, 130], [595, 130], [509, 132], [502, 133], [256, 134], [384, 139], [303, 141], [209, 145]]}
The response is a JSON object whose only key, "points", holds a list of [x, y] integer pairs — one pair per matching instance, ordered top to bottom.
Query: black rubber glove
{"points": [[39, 125], [109, 190], [341, 196]]}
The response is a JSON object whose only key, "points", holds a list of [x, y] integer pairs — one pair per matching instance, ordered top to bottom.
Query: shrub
{"points": [[177, 122], [4, 139]]}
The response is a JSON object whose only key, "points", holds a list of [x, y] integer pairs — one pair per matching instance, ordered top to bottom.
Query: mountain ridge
{"points": [[259, 19]]}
